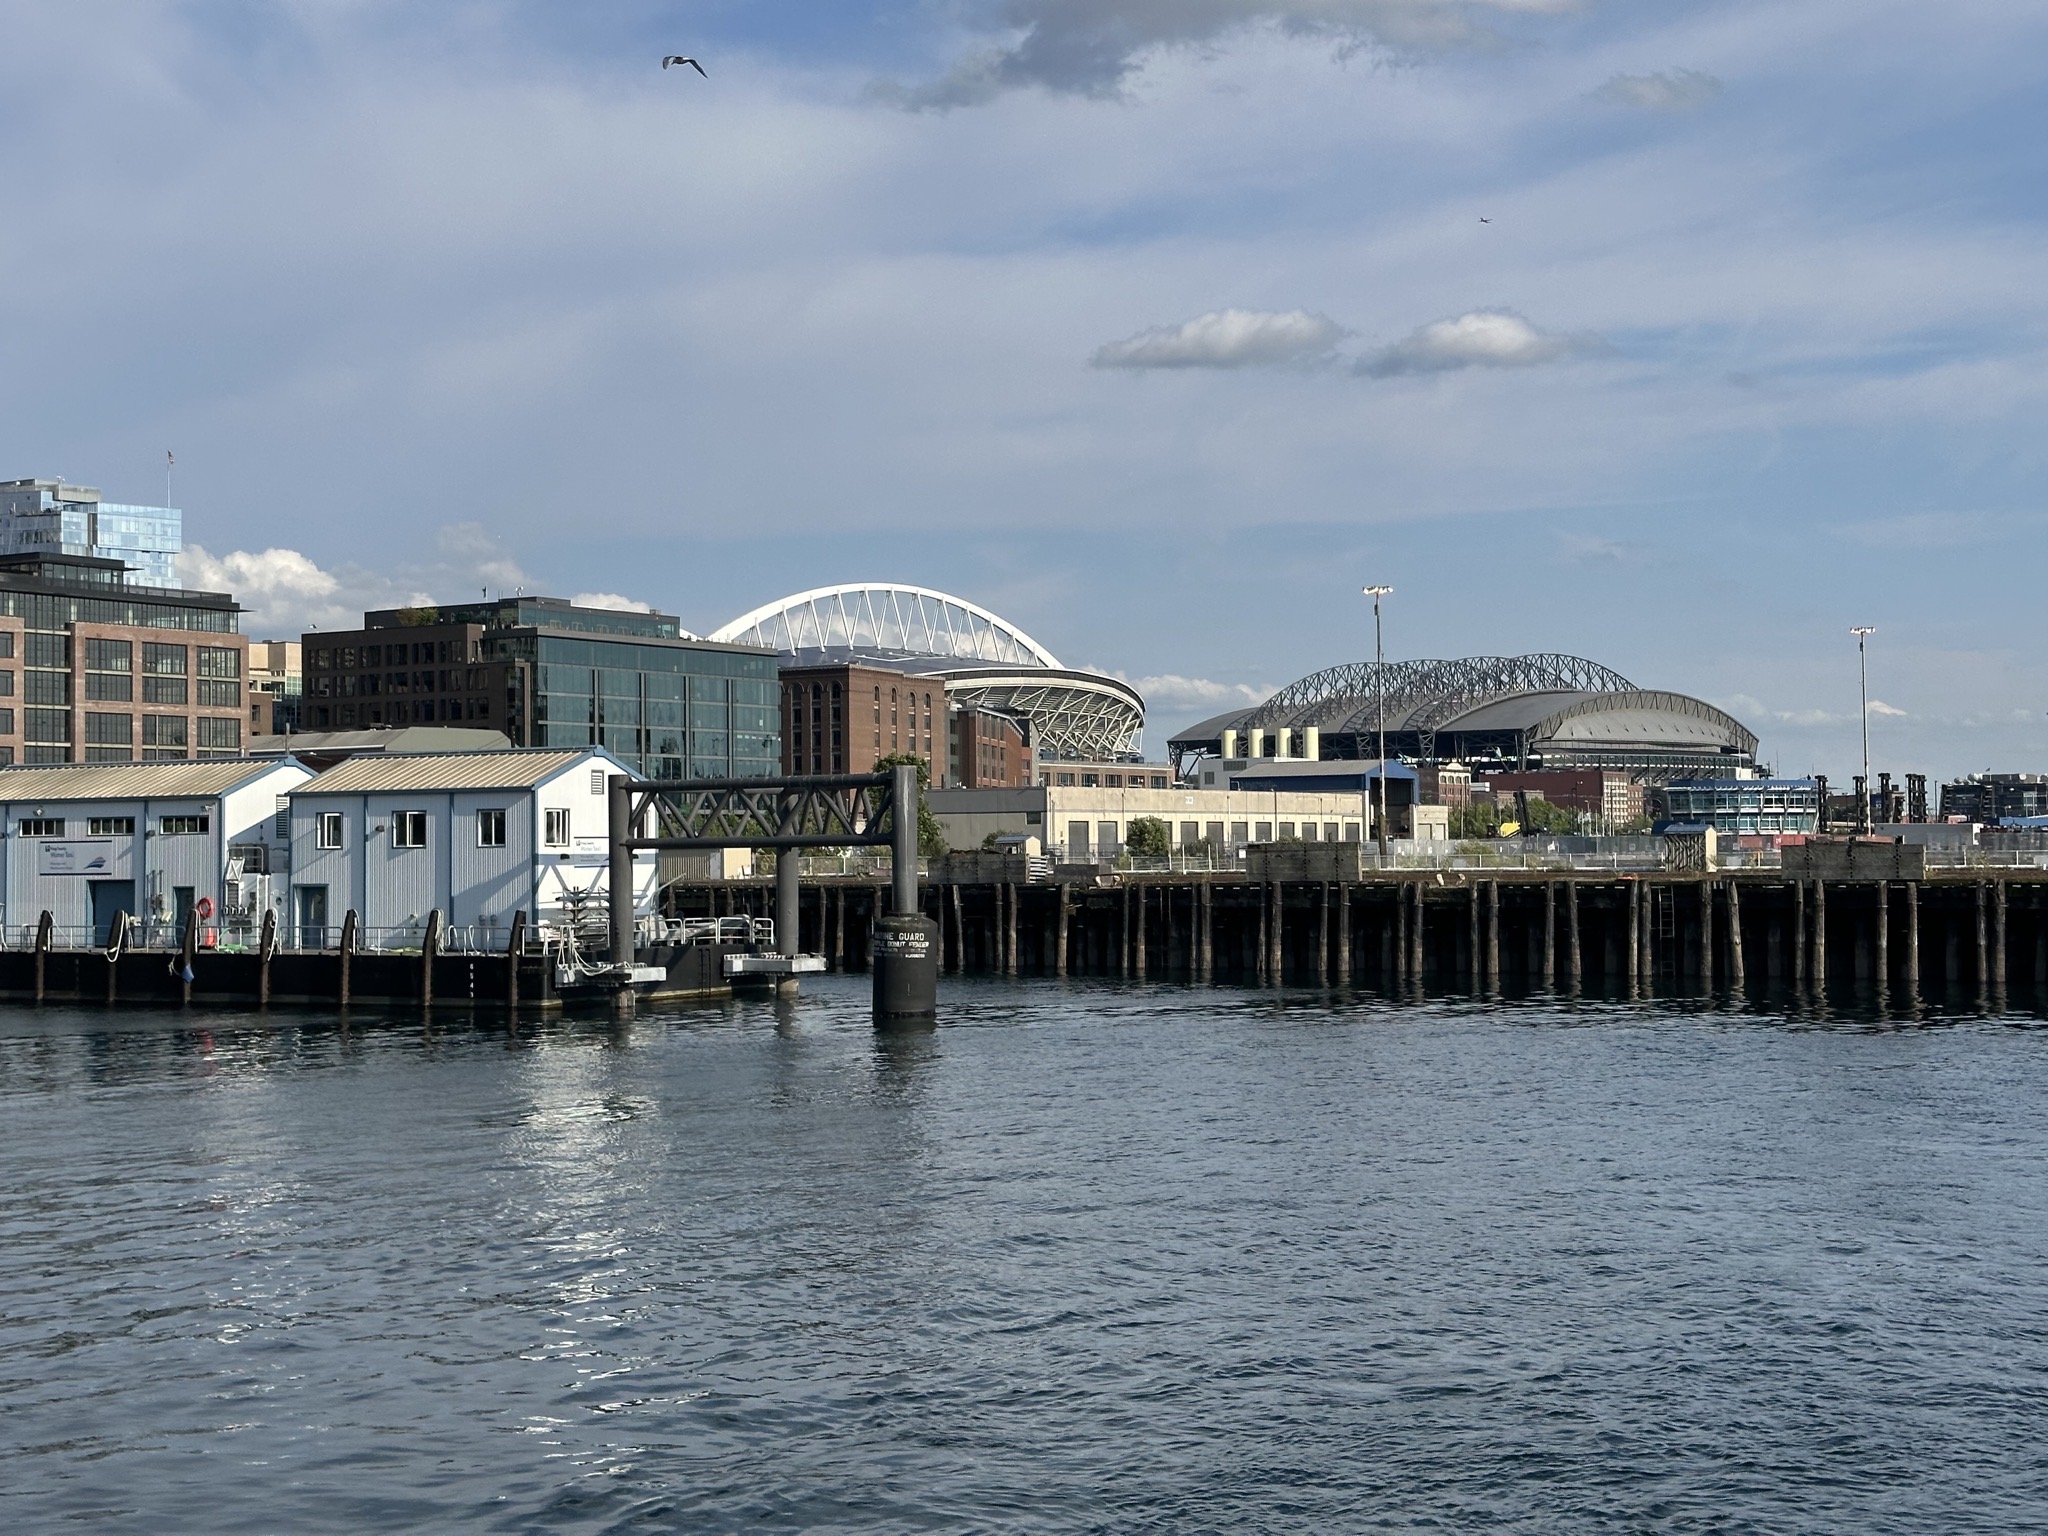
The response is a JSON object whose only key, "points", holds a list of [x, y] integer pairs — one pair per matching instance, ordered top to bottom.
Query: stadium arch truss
{"points": [[986, 661], [1556, 710]]}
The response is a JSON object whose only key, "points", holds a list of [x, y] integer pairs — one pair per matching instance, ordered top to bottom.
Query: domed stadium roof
{"points": [[985, 660], [1548, 709]]}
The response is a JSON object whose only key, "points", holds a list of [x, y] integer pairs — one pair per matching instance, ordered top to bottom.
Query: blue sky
{"points": [[1159, 326]]}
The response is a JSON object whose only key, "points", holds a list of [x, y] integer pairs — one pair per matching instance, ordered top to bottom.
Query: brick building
{"points": [[94, 669], [844, 718], [985, 749], [1614, 797]]}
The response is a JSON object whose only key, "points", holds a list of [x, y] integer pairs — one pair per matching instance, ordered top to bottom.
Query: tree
{"points": [[931, 836], [1149, 837]]}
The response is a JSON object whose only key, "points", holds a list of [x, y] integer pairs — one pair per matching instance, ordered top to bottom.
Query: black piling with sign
{"points": [[906, 943]]}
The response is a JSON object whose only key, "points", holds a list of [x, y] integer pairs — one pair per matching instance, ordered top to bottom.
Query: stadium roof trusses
{"points": [[1068, 712]]}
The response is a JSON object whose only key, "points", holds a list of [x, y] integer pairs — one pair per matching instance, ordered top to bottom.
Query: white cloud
{"points": [[1092, 47], [1680, 90], [1226, 338], [1480, 338], [611, 600], [1170, 691], [1879, 707]]}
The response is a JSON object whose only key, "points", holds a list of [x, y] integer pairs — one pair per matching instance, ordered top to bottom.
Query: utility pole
{"points": [[1862, 632], [1379, 687]]}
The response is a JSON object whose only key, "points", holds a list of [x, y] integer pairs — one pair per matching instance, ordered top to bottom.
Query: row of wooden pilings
{"points": [[1468, 927]]}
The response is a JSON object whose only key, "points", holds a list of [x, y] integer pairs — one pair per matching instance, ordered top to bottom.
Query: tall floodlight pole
{"points": [[1862, 632], [1379, 688]]}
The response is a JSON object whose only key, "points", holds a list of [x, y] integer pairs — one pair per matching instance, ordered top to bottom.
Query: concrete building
{"points": [[48, 517], [94, 669], [550, 674], [276, 686], [844, 717], [1064, 774], [1993, 797], [1746, 807], [1077, 824], [476, 836], [86, 841]]}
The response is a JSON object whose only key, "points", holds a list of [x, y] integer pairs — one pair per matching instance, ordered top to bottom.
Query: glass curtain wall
{"points": [[668, 711]]}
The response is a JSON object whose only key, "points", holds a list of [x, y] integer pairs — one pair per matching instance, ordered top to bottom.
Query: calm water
{"points": [[1089, 1259]]}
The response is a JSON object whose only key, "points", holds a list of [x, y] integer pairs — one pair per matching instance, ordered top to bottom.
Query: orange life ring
{"points": [[204, 907]]}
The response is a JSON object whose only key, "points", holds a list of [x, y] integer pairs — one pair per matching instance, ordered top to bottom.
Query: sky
{"points": [[1681, 335]]}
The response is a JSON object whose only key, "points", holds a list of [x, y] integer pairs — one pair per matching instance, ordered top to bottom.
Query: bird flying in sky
{"points": [[677, 58], [1484, 219]]}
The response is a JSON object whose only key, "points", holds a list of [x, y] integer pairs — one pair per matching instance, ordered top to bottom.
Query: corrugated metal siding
{"points": [[441, 772], [208, 777], [491, 882], [402, 885]]}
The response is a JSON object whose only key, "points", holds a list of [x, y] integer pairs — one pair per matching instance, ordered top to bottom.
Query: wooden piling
{"points": [[43, 926], [1205, 932], [1571, 932], [1493, 933], [1323, 934], [1343, 934], [1472, 934], [1707, 934], [1820, 934], [1913, 934], [117, 935], [1275, 936], [1418, 936], [1635, 936], [1798, 937], [1998, 938], [1138, 943], [1983, 943], [430, 944], [266, 946], [515, 946], [959, 954], [347, 955], [1059, 963], [1883, 963], [1549, 969], [1736, 977]]}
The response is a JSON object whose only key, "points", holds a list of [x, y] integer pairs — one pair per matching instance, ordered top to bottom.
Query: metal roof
{"points": [[394, 772], [193, 778]]}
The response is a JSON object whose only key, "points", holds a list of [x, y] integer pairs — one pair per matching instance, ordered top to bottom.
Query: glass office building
{"points": [[48, 517], [550, 674], [1739, 807]]}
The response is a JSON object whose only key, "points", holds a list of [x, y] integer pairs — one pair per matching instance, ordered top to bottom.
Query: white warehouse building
{"points": [[476, 836], [84, 841]]}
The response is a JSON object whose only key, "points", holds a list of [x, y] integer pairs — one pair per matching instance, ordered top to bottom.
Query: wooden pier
{"points": [[1627, 933]]}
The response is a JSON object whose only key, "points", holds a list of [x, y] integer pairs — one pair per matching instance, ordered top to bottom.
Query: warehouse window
{"points": [[597, 781], [42, 826], [111, 826], [175, 826], [409, 829], [490, 829], [558, 829], [327, 830]]}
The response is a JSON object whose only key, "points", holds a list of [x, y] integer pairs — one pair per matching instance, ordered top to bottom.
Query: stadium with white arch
{"points": [[986, 661]]}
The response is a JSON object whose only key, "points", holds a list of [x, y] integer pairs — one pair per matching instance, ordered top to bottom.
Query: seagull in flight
{"points": [[677, 58]]}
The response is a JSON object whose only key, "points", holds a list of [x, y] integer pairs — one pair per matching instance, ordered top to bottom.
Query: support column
{"points": [[1011, 893], [1472, 896], [789, 920], [1205, 929], [1400, 931], [1571, 931], [1493, 933], [1884, 933], [1343, 934], [1707, 934], [1820, 934], [1913, 934], [1123, 935], [1323, 935], [1418, 935], [1635, 935], [1276, 938], [1998, 938], [1983, 944], [1138, 950], [1059, 963], [1735, 966], [1549, 970], [1799, 971]]}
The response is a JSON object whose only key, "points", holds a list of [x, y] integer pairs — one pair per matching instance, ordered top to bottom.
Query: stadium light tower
{"points": [[1863, 632], [1379, 688]]}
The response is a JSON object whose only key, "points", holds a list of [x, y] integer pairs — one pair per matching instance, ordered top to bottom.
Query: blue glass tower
{"points": [[48, 517]]}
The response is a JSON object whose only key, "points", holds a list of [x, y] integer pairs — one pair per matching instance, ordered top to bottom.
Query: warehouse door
{"points": [[110, 898], [309, 915]]}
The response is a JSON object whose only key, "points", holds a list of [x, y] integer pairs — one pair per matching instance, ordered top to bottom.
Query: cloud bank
{"points": [[1092, 47], [1680, 90], [1226, 338], [1480, 338]]}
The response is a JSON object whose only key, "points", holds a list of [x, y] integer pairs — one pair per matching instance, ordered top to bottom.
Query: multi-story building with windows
{"points": [[48, 517], [95, 670], [550, 674], [276, 684], [846, 717]]}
